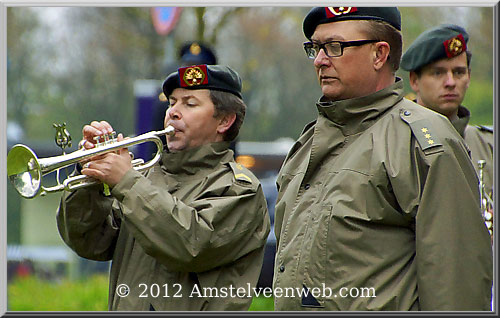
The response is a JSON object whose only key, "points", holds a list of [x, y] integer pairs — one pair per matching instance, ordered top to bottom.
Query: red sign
{"points": [[165, 18]]}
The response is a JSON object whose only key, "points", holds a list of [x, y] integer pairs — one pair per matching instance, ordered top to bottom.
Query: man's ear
{"points": [[381, 54], [468, 75], [414, 81], [226, 122]]}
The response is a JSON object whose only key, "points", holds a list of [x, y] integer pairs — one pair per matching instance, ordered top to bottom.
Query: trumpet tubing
{"points": [[25, 169], [485, 199]]}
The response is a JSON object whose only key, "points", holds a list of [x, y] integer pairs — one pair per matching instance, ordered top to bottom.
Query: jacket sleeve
{"points": [[225, 222], [87, 224], [453, 247]]}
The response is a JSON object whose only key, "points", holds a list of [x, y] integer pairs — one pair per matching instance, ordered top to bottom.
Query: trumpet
{"points": [[25, 169], [485, 199]]}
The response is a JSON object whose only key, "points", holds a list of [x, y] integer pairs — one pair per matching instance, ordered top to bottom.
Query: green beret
{"points": [[320, 15], [444, 41], [213, 77]]}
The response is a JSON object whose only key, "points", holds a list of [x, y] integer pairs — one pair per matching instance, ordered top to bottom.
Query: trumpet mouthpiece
{"points": [[170, 130]]}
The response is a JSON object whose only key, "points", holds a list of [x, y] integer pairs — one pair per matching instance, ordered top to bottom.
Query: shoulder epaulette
{"points": [[485, 128], [422, 130], [242, 174]]}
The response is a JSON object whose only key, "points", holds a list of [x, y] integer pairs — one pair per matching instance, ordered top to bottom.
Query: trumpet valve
{"points": [[105, 139], [97, 140], [481, 163], [488, 216]]}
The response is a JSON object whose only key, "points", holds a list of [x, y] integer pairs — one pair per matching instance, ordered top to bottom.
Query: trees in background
{"points": [[77, 64]]}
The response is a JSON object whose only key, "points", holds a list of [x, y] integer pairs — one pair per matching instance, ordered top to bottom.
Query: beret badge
{"points": [[336, 11], [455, 46], [195, 49], [193, 75], [203, 76]]}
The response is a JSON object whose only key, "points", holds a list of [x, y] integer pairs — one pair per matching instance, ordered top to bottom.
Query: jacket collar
{"points": [[357, 114], [461, 122], [192, 161]]}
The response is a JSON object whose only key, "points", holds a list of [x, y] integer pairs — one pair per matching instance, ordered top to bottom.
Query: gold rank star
{"points": [[424, 130], [427, 136], [430, 141]]}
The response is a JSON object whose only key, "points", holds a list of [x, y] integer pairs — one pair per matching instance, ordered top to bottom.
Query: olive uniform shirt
{"points": [[479, 139], [378, 209], [197, 220]]}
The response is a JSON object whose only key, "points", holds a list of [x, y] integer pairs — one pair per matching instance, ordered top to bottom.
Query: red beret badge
{"points": [[332, 12], [455, 46], [193, 75]]}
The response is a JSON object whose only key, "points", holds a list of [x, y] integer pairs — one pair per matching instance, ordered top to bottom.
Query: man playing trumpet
{"points": [[195, 221]]}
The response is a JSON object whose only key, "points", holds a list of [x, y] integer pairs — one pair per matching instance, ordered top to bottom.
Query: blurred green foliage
{"points": [[479, 100], [33, 294], [262, 303]]}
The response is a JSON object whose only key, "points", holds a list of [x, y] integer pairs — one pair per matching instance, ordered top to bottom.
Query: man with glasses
{"points": [[378, 204]]}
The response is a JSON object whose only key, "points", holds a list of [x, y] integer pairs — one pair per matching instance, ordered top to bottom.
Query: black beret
{"points": [[320, 15], [443, 41], [196, 53], [213, 77]]}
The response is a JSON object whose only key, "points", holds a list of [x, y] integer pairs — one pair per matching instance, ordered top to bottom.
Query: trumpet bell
{"points": [[24, 171]]}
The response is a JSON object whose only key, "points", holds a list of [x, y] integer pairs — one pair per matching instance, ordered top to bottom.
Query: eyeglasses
{"points": [[332, 48]]}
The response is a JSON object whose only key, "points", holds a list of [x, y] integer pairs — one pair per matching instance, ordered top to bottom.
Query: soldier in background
{"points": [[190, 53], [439, 65]]}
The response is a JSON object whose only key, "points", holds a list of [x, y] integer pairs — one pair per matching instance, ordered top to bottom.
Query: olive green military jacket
{"points": [[480, 142], [378, 209], [184, 237]]}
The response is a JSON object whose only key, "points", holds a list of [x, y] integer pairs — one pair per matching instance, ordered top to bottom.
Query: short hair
{"points": [[383, 31], [468, 54], [226, 103]]}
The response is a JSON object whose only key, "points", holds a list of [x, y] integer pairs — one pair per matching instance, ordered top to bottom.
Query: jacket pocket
{"points": [[316, 257]]}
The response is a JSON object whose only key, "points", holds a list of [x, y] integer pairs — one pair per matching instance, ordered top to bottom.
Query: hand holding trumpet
{"points": [[109, 167]]}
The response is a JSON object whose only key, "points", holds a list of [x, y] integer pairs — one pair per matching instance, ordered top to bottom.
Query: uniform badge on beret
{"points": [[336, 11], [455, 46], [195, 48], [193, 75]]}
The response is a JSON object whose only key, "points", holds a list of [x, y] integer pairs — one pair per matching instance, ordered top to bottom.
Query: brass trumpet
{"points": [[25, 169], [485, 199]]}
